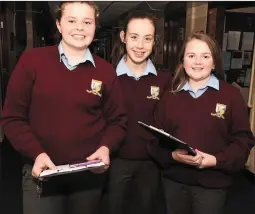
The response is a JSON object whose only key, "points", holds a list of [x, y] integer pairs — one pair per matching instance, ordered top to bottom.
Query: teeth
{"points": [[78, 36], [139, 53]]}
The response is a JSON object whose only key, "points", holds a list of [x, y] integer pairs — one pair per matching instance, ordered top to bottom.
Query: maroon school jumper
{"points": [[140, 105], [67, 114], [226, 134]]}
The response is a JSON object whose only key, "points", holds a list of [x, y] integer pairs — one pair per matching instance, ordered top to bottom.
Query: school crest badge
{"points": [[96, 86], [154, 93], [220, 111]]}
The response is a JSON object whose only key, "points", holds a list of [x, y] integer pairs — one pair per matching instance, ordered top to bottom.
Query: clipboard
{"points": [[173, 142], [71, 168]]}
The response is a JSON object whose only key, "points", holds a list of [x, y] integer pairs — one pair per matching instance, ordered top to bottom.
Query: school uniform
{"points": [[67, 111], [215, 121], [132, 163]]}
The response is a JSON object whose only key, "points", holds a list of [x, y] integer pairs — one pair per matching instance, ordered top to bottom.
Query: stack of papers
{"points": [[71, 168]]}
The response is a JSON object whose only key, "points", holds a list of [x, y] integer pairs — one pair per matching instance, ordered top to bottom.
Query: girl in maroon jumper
{"points": [[142, 86], [63, 106], [210, 115]]}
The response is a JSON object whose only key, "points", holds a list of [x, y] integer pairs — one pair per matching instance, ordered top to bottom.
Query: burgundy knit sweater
{"points": [[67, 114], [216, 123]]}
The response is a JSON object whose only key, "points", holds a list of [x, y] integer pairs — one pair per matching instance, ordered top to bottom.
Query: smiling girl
{"points": [[142, 86], [64, 106], [210, 115]]}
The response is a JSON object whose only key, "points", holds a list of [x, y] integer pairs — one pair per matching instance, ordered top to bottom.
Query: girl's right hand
{"points": [[183, 157], [42, 162]]}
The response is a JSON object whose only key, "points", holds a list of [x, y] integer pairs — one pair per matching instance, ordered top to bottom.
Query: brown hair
{"points": [[59, 12], [119, 48], [180, 77]]}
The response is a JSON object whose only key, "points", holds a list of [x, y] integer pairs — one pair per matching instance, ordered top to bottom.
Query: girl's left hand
{"points": [[103, 154], [207, 160]]}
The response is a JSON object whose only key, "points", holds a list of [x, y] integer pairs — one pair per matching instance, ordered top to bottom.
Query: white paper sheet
{"points": [[233, 40], [247, 41]]}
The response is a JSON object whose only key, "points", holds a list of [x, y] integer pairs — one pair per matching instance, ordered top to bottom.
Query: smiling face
{"points": [[77, 25], [139, 40], [198, 60]]}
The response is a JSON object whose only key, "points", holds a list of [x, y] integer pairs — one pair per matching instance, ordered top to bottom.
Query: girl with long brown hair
{"points": [[142, 87], [210, 115]]}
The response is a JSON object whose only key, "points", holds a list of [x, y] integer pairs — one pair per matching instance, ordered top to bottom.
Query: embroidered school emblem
{"points": [[95, 87], [154, 93], [220, 110]]}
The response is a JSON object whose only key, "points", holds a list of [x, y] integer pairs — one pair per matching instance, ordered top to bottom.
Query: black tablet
{"points": [[174, 143]]}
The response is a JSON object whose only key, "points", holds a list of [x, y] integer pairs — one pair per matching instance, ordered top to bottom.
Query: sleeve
{"points": [[15, 115], [115, 115], [161, 155], [234, 157]]}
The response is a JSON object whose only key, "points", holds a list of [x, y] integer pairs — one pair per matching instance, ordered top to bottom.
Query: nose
{"points": [[79, 26], [140, 43], [197, 60]]}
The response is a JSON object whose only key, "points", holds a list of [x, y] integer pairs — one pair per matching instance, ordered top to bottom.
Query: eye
{"points": [[71, 21], [87, 23], [133, 37], [191, 56], [206, 56]]}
